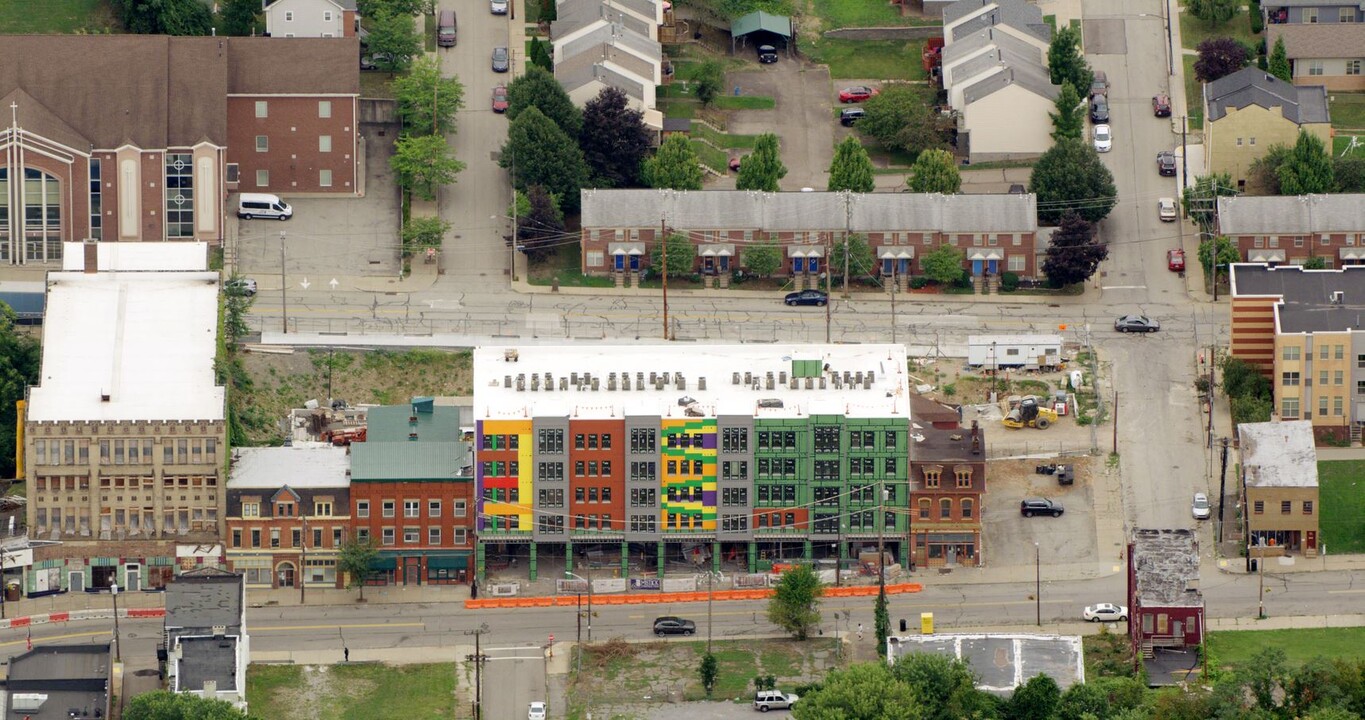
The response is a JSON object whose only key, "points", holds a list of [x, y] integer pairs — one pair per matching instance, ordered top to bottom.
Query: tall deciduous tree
{"points": [[1214, 12], [167, 17], [240, 18], [393, 40], [1219, 57], [1065, 61], [1278, 64], [709, 80], [539, 89], [427, 102], [903, 118], [1068, 123], [614, 140], [540, 153], [423, 163], [674, 166], [763, 168], [851, 168], [1308, 169], [934, 171], [1264, 174], [1350, 174], [1070, 176], [1201, 200], [542, 225], [424, 232], [1074, 253], [1215, 254], [682, 255], [763, 259], [859, 259], [943, 264], [20, 360], [356, 560], [795, 604], [708, 670], [945, 687], [863, 691], [1034, 700], [166, 705]]}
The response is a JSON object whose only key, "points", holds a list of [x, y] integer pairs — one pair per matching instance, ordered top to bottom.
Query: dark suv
{"points": [[1099, 109], [1165, 163], [1028, 507], [673, 626]]}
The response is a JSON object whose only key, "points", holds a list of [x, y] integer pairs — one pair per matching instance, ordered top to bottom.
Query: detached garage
{"points": [[760, 28]]}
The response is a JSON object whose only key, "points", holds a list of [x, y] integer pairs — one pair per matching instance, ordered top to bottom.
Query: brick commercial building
{"points": [[142, 137], [1280, 229], [124, 439], [638, 455], [412, 485], [947, 486], [1279, 488], [1165, 604], [206, 645]]}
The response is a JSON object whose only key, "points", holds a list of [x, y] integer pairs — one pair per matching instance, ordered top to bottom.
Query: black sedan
{"points": [[767, 54], [1166, 163], [818, 298], [1136, 323], [673, 626]]}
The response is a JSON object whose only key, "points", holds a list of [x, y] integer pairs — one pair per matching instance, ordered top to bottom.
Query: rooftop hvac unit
{"points": [[734, 378], [701, 384], [219, 630], [27, 702]]}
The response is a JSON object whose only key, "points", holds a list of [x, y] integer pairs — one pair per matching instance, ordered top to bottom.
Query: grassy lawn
{"points": [[859, 13], [20, 17], [1051, 21], [1194, 31], [869, 59], [375, 84], [1194, 98], [743, 102], [678, 109], [1348, 111], [723, 140], [1341, 142], [711, 157], [564, 266], [1341, 495], [1233, 648], [351, 692]]}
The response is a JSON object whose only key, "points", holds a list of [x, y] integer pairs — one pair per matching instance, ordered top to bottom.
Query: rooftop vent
{"points": [[1338, 297], [734, 378], [701, 384], [770, 403]]}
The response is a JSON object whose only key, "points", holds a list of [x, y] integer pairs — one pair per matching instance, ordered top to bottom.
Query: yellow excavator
{"points": [[1028, 413]]}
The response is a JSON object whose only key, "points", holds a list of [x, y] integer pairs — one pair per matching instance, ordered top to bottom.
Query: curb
{"points": [[681, 597]]}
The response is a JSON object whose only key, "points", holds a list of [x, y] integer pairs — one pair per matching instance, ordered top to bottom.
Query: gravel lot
{"points": [[1009, 536]]}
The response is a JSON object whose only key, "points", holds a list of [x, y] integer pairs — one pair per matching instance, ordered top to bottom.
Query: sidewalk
{"points": [[1294, 564]]}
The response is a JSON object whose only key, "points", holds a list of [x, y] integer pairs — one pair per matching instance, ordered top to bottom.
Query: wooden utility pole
{"points": [[663, 238], [829, 288], [1116, 422], [478, 669]]}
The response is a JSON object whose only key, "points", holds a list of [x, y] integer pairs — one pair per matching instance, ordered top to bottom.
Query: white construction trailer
{"points": [[1025, 352]]}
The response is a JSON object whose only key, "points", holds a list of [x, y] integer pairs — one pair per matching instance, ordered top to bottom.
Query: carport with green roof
{"points": [[763, 27]]}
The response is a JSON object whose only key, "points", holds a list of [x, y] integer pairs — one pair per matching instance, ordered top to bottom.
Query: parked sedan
{"points": [[497, 7], [767, 54], [501, 62], [857, 93], [500, 99], [1161, 106], [1099, 109], [849, 116], [1104, 142], [1165, 163], [1167, 210], [1175, 260], [245, 287], [807, 297], [1136, 323], [1028, 507], [1200, 508], [1105, 612], [669, 625], [536, 711]]}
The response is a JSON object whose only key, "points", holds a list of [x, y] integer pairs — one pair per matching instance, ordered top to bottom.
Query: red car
{"points": [[857, 94], [499, 99], [1161, 106], [1175, 260]]}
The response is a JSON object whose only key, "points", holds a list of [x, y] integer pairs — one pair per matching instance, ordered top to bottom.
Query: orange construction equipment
{"points": [[344, 436]]}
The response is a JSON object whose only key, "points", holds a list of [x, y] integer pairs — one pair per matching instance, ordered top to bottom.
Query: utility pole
{"points": [[1184, 151], [848, 230], [663, 238], [512, 256], [284, 287], [829, 288], [895, 288], [1212, 395], [1116, 422], [1222, 489], [881, 537], [303, 559], [710, 575], [1038, 582], [1260, 595], [118, 638], [579, 647], [478, 668]]}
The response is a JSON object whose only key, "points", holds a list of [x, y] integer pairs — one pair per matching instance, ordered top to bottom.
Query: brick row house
{"points": [[111, 155], [1291, 229], [996, 233], [947, 485], [1165, 603]]}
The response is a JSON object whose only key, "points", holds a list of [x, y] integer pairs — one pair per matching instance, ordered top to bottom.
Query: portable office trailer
{"points": [[1028, 352]]}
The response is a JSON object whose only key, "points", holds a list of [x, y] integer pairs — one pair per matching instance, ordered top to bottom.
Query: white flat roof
{"points": [[150, 256], [1014, 339], [145, 340], [494, 399], [1279, 454], [314, 465]]}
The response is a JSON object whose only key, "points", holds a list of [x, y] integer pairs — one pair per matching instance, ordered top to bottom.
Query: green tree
{"points": [[408, 8], [1214, 12], [166, 17], [240, 18], [393, 40], [540, 57], [1220, 57], [1066, 62], [1278, 64], [710, 80], [539, 89], [428, 102], [903, 118], [1068, 123], [614, 139], [548, 157], [423, 164], [674, 166], [763, 167], [851, 168], [1308, 169], [934, 171], [1350, 173], [1264, 174], [1070, 176], [1201, 200], [543, 224], [424, 232], [856, 254], [1074, 254], [1215, 254], [682, 256], [763, 259], [1315, 262], [943, 264], [236, 305], [20, 361], [1241, 378], [356, 561], [795, 604], [881, 619], [709, 670], [1313, 685], [944, 687], [863, 691], [1036, 699], [1082, 701], [166, 705]]}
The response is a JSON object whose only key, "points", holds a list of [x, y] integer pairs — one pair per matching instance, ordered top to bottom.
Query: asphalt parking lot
{"points": [[803, 117], [1009, 536]]}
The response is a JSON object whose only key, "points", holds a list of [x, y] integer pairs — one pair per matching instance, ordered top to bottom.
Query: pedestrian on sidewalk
{"points": [[860, 631], [346, 654]]}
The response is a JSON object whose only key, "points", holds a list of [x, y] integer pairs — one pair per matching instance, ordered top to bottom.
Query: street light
{"points": [[580, 608], [118, 645]]}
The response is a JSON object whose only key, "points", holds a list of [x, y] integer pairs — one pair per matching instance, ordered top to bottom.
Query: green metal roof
{"points": [[754, 21], [435, 423], [373, 461]]}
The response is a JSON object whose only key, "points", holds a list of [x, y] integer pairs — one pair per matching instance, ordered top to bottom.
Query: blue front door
{"points": [[620, 262], [634, 262], [724, 263], [798, 265], [887, 266], [904, 266], [976, 267], [992, 267]]}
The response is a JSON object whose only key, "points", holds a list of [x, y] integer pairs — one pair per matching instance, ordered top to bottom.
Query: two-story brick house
{"points": [[1291, 229], [947, 484], [288, 514], [1165, 604]]}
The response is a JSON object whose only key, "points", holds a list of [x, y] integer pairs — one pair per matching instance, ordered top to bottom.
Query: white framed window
{"points": [[1346, 14], [1310, 15], [289, 16], [327, 16], [1315, 67], [1352, 67], [324, 108], [262, 109], [262, 143], [324, 143], [262, 178], [325, 178], [595, 258], [1015, 263], [362, 508], [412, 508], [434, 508], [459, 509], [411, 535], [387, 536], [433, 536], [458, 536]]}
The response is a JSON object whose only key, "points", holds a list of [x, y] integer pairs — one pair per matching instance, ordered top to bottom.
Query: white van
{"points": [[263, 205]]}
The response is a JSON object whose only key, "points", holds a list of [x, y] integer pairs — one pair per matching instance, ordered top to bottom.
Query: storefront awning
{"points": [[634, 248], [717, 250], [895, 252], [1353, 253], [985, 254], [1266, 256], [447, 562], [383, 564]]}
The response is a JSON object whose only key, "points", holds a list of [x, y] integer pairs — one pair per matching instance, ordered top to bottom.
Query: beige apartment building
{"points": [[124, 437], [1279, 488]]}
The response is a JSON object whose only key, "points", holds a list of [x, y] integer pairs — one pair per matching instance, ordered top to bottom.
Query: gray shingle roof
{"points": [[988, 13], [575, 14], [612, 35], [990, 37], [1319, 40], [984, 63], [583, 70], [1031, 78], [1252, 86], [813, 211], [1291, 215]]}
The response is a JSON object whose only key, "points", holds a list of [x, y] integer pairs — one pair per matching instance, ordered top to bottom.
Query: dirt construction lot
{"points": [[1069, 539]]}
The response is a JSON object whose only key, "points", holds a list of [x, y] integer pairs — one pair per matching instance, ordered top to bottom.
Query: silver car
{"points": [[497, 7], [501, 63], [1200, 507]]}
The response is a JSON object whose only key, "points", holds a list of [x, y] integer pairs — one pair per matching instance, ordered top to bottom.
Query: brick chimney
{"points": [[92, 257]]}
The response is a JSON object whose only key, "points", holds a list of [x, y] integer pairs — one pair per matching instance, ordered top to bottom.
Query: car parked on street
{"points": [[497, 7], [767, 54], [501, 62], [1099, 85], [857, 93], [500, 99], [1161, 106], [1099, 109], [849, 116], [1104, 142], [1165, 163], [1167, 210], [1175, 260], [245, 287], [807, 297], [1136, 323], [1028, 507], [1200, 508], [1105, 612], [669, 625], [765, 700], [536, 711]]}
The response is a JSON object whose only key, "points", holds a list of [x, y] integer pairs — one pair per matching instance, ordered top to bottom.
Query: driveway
{"points": [[804, 117]]}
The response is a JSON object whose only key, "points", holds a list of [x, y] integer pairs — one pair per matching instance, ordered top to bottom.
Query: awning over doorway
{"points": [[634, 248], [717, 250], [895, 252], [985, 254], [1267, 256]]}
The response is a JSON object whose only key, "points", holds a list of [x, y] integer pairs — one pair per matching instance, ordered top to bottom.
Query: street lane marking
{"points": [[1124, 287], [1344, 592], [270, 628], [46, 638]]}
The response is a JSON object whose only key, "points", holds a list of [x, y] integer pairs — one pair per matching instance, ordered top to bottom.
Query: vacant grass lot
{"points": [[846, 14], [57, 16], [1194, 31], [869, 59], [1194, 98], [1348, 111], [564, 266], [1341, 495], [1235, 648], [351, 692]]}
